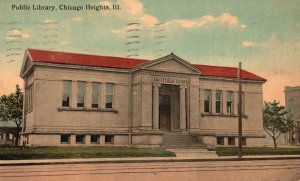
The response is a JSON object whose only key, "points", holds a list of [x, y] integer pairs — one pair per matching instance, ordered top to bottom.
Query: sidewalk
{"points": [[143, 159]]}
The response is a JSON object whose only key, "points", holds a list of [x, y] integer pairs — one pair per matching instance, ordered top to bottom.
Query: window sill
{"points": [[86, 109], [28, 111], [222, 115], [64, 143]]}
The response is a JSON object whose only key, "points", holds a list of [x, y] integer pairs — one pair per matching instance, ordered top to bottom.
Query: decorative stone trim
{"points": [[86, 109], [222, 115]]}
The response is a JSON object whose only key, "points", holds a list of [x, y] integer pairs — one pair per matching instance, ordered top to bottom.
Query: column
{"points": [[182, 108], [155, 124]]}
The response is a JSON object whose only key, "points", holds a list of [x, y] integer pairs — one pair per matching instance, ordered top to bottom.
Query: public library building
{"points": [[77, 99]]}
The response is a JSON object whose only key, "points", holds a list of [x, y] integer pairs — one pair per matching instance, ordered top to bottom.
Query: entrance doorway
{"points": [[169, 107], [164, 112]]}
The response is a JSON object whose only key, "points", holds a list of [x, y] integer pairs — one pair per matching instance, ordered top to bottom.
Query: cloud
{"points": [[131, 8], [227, 18], [77, 19], [223, 19], [148, 20], [50, 21], [142, 23], [185, 23], [243, 26], [117, 31], [14, 33], [25, 36], [8, 38], [65, 42], [248, 43]]}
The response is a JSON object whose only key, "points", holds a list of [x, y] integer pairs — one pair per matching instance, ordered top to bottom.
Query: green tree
{"points": [[11, 109], [276, 120]]}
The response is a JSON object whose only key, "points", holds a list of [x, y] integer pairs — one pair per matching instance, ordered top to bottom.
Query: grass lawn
{"points": [[232, 151], [19, 153]]}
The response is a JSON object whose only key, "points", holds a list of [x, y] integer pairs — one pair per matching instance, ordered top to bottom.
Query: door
{"points": [[164, 113], [164, 118]]}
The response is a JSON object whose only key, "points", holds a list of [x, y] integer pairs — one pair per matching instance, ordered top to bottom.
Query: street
{"points": [[285, 170]]}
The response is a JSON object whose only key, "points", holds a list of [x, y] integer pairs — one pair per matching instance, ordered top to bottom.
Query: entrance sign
{"points": [[170, 80]]}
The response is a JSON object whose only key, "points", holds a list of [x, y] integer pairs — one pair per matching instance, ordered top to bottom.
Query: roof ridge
{"points": [[75, 53], [216, 66]]}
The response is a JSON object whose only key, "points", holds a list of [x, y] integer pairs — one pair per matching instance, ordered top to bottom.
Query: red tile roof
{"points": [[82, 59], [127, 63], [230, 72]]}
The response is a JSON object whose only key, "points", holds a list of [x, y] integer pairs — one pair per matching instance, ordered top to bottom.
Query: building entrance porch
{"points": [[169, 106]]}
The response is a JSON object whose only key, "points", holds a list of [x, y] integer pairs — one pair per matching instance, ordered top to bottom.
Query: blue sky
{"points": [[263, 35]]}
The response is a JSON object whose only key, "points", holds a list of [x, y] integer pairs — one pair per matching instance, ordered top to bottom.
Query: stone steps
{"points": [[181, 141], [186, 146], [194, 153]]}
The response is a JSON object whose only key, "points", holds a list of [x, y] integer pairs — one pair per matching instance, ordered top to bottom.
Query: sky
{"points": [[263, 35]]}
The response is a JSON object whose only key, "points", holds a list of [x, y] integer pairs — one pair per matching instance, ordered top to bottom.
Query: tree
{"points": [[11, 107], [276, 120]]}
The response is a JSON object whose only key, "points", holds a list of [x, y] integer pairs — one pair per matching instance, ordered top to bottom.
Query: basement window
{"points": [[64, 139], [80, 139], [95, 139], [109, 139], [220, 140], [231, 140], [244, 141]]}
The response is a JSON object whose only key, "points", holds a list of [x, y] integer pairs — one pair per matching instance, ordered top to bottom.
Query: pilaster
{"points": [[183, 108]]}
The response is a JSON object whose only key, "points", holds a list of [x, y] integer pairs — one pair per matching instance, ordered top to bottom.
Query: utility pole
{"points": [[240, 111]]}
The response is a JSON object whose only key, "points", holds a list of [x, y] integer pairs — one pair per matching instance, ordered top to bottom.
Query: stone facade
{"points": [[292, 104], [135, 106]]}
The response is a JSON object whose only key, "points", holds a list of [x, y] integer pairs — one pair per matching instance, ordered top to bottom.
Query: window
{"points": [[66, 93], [80, 93], [95, 95], [109, 95], [29, 98], [207, 98], [218, 101], [229, 102], [291, 105], [64, 138], [80, 139], [95, 139], [109, 139], [220, 140], [231, 140], [244, 141]]}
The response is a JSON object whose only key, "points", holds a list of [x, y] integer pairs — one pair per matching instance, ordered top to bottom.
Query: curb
{"points": [[147, 161]]}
